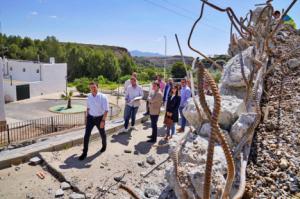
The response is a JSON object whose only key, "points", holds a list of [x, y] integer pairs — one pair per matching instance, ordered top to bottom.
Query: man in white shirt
{"points": [[128, 82], [133, 96], [97, 109]]}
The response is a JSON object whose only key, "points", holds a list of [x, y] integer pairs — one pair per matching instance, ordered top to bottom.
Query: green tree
{"points": [[27, 42], [54, 49], [14, 51], [28, 53], [76, 60], [94, 63], [127, 65], [111, 69], [178, 70]]}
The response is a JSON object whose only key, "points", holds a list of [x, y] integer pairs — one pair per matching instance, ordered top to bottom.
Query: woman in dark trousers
{"points": [[155, 101], [172, 111]]}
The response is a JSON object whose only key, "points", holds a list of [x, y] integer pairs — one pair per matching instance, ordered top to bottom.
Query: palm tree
{"points": [[68, 96]]}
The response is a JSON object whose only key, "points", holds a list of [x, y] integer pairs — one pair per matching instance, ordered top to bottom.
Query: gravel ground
{"points": [[274, 169]]}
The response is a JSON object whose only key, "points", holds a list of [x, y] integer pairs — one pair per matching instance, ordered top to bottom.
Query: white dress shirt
{"points": [[128, 83], [131, 93], [97, 105]]}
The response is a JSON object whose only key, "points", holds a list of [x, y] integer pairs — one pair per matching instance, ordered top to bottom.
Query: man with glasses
{"points": [[185, 94]]}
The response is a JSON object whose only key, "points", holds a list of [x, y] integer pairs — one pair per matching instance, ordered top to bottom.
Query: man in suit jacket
{"points": [[167, 90]]}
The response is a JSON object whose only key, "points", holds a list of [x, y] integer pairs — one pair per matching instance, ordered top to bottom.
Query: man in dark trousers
{"points": [[167, 91], [97, 109]]}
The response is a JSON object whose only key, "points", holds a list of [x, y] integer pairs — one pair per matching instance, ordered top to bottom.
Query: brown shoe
{"points": [[180, 130]]}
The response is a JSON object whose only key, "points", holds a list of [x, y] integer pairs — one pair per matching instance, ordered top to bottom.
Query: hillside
{"points": [[118, 51], [159, 61]]}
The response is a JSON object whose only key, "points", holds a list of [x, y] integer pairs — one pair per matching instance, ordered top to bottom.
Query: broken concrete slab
{"points": [[232, 107], [35, 161], [65, 186], [59, 193], [77, 196]]}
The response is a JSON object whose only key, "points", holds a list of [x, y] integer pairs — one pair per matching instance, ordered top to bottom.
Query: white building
{"points": [[26, 79]]}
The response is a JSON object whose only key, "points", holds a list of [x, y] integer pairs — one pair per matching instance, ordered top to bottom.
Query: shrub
{"points": [[216, 75], [124, 78], [82, 85]]}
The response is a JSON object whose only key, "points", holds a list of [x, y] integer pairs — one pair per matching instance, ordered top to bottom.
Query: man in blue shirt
{"points": [[185, 94]]}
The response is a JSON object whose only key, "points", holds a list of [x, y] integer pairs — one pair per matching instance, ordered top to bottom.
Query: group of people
{"points": [[169, 95], [173, 97]]}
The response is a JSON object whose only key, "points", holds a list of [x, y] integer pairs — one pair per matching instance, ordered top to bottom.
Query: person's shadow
{"points": [[146, 125], [122, 138], [143, 147], [162, 147], [73, 162]]}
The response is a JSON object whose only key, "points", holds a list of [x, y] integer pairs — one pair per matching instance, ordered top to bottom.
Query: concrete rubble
{"points": [[232, 107], [236, 123]]}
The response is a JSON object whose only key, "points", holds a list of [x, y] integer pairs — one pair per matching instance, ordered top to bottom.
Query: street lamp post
{"points": [[165, 60]]}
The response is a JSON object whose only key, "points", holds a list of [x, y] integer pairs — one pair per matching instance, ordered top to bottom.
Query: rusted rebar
{"points": [[190, 36], [215, 133], [129, 190]]}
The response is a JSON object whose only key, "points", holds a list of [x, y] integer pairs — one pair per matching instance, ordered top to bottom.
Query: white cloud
{"points": [[34, 13], [53, 17]]}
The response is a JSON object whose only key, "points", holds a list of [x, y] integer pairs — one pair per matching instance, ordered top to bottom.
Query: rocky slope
{"points": [[274, 171]]}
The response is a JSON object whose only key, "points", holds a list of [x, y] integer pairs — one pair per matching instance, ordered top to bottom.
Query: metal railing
{"points": [[25, 130]]}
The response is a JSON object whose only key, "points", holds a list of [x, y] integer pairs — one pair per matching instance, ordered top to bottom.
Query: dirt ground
{"points": [[125, 161], [22, 182]]}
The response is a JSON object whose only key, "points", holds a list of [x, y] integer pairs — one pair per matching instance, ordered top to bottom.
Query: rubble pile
{"points": [[260, 68], [274, 169]]}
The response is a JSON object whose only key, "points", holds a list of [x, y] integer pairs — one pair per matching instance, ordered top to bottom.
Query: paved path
{"points": [[37, 107]]}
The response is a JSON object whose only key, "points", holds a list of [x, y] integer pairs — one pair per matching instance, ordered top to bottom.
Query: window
{"points": [[10, 68], [24, 69], [38, 71]]}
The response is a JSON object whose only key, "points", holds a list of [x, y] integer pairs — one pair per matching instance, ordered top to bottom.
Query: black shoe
{"points": [[147, 113], [149, 136], [151, 140], [103, 149], [82, 157]]}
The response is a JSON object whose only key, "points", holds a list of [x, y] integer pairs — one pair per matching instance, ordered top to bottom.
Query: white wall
{"points": [[15, 69], [52, 76], [53, 80], [10, 91], [2, 111]]}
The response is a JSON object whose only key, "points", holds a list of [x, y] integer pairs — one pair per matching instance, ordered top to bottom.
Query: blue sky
{"points": [[133, 24]]}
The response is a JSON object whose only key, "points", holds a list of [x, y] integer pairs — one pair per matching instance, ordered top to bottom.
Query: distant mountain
{"points": [[137, 53]]}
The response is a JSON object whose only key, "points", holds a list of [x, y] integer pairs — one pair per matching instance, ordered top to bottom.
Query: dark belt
{"points": [[95, 116]]}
